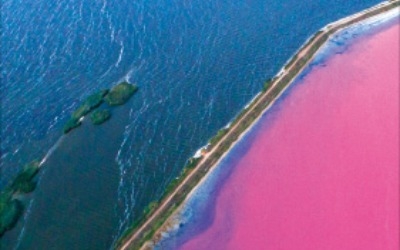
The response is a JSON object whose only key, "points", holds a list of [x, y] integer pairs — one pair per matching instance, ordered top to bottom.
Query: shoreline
{"points": [[330, 110], [172, 203], [171, 227]]}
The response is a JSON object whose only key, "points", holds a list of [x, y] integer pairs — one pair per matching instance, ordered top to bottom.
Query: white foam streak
{"points": [[121, 53], [51, 151]]}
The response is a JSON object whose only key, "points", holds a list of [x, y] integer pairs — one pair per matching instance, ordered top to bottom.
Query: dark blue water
{"points": [[197, 64]]}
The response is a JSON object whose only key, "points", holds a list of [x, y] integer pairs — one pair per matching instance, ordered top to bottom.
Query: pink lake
{"points": [[324, 173]]}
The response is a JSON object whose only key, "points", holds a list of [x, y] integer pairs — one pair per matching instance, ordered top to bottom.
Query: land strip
{"points": [[146, 229]]}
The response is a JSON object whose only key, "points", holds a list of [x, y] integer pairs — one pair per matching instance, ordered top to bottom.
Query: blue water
{"points": [[197, 63], [198, 212]]}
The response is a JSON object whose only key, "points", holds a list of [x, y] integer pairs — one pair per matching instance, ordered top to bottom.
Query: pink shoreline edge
{"points": [[325, 174]]}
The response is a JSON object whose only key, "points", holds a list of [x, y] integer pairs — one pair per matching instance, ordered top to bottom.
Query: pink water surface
{"points": [[325, 173]]}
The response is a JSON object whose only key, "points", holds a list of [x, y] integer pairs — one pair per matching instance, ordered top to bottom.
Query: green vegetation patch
{"points": [[267, 84], [120, 94], [92, 102], [100, 116], [71, 124], [219, 135], [192, 162], [190, 165], [24, 182], [5, 197], [11, 208], [150, 208], [10, 211]]}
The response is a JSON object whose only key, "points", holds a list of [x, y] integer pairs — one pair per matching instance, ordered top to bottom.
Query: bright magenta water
{"points": [[325, 173]]}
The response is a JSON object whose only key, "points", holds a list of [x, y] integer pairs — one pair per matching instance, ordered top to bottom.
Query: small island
{"points": [[118, 95], [92, 102], [100, 116], [11, 206]]}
